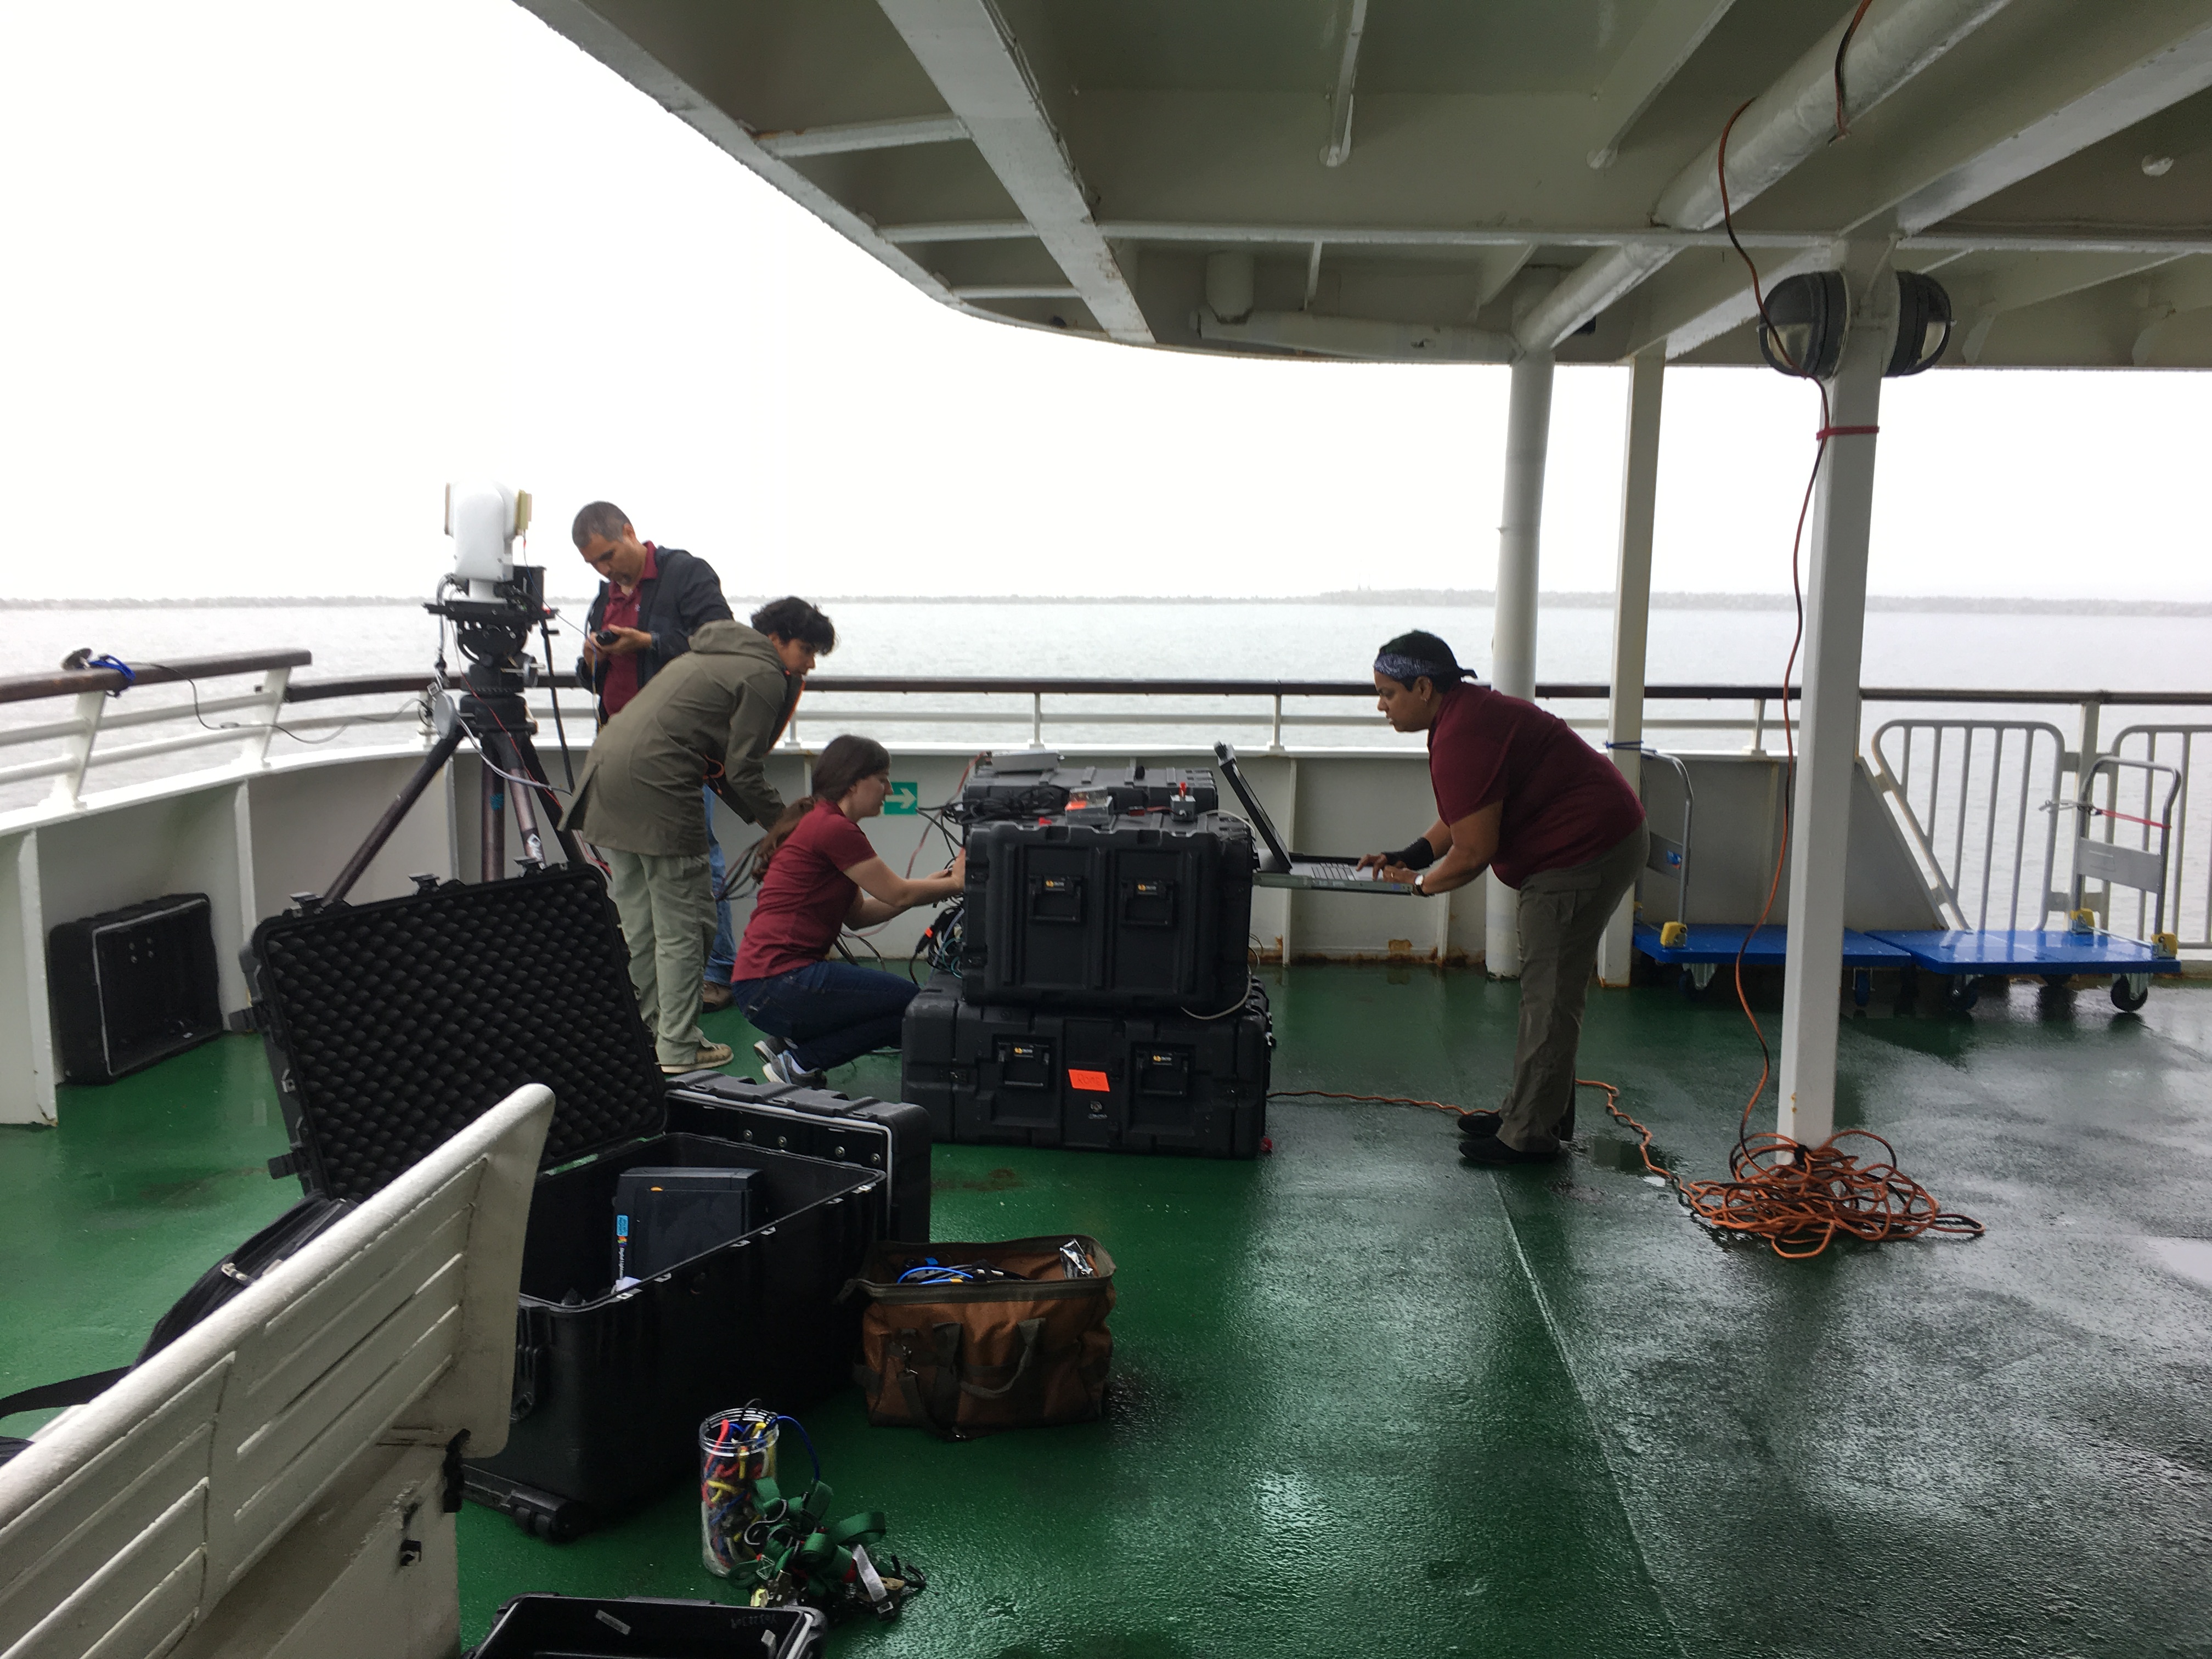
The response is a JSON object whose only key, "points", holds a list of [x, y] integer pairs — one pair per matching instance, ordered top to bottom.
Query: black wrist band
{"points": [[1417, 856]]}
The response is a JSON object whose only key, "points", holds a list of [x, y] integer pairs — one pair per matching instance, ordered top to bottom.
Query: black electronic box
{"points": [[1036, 781], [667, 1215]]}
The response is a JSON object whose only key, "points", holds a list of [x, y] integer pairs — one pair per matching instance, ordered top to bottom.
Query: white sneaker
{"points": [[782, 1068]]}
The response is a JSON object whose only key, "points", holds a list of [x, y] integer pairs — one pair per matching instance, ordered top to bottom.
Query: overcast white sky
{"points": [[276, 270]]}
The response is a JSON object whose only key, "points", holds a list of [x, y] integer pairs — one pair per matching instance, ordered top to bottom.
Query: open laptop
{"points": [[1282, 867]]}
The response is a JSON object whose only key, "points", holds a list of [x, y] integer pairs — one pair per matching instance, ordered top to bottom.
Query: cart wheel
{"points": [[1691, 987], [2130, 991], [1962, 993]]}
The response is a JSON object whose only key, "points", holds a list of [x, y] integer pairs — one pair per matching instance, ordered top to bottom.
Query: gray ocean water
{"points": [[1227, 641]]}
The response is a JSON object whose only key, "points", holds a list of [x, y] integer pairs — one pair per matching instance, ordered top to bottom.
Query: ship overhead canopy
{"points": [[1426, 180]]}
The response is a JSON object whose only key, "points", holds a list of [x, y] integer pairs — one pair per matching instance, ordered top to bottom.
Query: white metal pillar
{"points": [[1631, 615], [1835, 626], [1513, 628]]}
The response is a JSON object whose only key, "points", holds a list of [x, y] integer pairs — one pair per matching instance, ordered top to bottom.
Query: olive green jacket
{"points": [[719, 705]]}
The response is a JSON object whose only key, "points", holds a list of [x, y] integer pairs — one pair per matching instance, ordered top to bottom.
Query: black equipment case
{"points": [[1098, 908], [133, 986], [390, 1025], [1113, 1081], [860, 1129]]}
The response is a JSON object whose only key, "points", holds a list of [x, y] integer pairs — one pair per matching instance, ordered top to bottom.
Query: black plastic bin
{"points": [[133, 986], [390, 1025], [1110, 1081], [646, 1627]]}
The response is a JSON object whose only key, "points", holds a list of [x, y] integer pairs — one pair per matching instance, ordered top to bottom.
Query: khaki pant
{"points": [[667, 902], [1563, 916]]}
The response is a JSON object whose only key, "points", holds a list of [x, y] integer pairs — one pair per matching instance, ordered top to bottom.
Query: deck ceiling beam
{"points": [[582, 26], [1648, 65], [2176, 70], [1347, 71], [980, 72], [2078, 102], [1792, 120], [863, 135], [1477, 238], [2178, 290], [1978, 300]]}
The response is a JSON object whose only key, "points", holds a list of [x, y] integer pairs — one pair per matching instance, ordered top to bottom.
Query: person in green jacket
{"points": [[709, 715]]}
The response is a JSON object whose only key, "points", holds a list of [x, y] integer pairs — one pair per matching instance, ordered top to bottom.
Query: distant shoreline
{"points": [[1470, 597]]}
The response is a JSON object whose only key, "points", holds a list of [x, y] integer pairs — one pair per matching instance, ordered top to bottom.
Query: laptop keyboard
{"points": [[1329, 869]]}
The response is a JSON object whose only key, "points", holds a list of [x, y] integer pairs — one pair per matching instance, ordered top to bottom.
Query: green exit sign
{"points": [[904, 801]]}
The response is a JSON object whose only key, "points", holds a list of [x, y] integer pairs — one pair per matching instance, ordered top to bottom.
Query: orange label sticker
{"points": [[1088, 1080]]}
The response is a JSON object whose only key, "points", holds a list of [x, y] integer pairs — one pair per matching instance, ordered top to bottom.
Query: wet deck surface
{"points": [[1368, 1401]]}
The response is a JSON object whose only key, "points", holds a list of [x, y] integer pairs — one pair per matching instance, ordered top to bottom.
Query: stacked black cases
{"points": [[1109, 910], [133, 986], [390, 1025], [1109, 1080], [883, 1135]]}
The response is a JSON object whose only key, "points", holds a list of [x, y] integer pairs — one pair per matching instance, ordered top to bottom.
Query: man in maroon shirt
{"points": [[1519, 793]]}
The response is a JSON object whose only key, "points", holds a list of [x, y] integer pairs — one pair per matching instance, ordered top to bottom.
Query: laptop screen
{"points": [[1261, 821]]}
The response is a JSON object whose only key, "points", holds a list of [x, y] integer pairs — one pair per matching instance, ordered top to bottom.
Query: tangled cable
{"points": [[1801, 1199]]}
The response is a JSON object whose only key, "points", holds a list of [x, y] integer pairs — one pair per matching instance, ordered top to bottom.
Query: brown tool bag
{"points": [[961, 1359]]}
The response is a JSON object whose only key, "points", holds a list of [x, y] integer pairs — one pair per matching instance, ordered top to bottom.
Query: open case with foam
{"points": [[390, 1025]]}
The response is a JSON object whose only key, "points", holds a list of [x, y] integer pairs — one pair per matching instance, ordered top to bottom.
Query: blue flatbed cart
{"points": [[1703, 947], [1699, 948], [1963, 956]]}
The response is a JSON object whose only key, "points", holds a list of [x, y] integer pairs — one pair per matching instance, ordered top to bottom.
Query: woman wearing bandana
{"points": [[1519, 793]]}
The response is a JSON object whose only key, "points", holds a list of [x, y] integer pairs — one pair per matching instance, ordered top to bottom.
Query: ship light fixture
{"points": [[1802, 330]]}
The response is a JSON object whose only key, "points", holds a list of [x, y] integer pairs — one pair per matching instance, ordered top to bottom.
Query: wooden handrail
{"points": [[69, 682]]}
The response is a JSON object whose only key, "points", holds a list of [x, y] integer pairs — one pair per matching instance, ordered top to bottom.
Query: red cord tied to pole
{"points": [[1828, 432]]}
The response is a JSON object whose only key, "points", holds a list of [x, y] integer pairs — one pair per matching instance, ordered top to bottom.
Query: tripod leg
{"points": [[502, 750], [432, 764], [528, 765], [492, 832]]}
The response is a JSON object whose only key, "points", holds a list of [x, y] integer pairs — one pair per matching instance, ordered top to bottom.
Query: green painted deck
{"points": [[1370, 1401]]}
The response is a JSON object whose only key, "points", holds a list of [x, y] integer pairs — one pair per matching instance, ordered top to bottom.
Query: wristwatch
{"points": [[1417, 888]]}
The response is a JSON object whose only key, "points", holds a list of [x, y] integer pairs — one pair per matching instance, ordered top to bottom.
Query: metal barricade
{"points": [[1967, 792], [2186, 894]]}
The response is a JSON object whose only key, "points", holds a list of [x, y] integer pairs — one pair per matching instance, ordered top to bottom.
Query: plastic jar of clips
{"points": [[736, 1448]]}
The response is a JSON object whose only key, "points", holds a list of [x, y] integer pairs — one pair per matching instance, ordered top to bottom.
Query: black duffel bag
{"points": [[282, 1237]]}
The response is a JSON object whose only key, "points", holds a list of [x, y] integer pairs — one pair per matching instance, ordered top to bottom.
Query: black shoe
{"points": [[1487, 1122], [1490, 1149]]}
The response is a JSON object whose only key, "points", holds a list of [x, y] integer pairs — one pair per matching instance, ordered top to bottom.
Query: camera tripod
{"points": [[491, 713]]}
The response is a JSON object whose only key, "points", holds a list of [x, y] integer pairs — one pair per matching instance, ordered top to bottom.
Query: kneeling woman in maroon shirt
{"points": [[1519, 793], [824, 878]]}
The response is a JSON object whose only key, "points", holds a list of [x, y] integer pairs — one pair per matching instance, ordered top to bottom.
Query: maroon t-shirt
{"points": [[621, 612], [1565, 803], [804, 899]]}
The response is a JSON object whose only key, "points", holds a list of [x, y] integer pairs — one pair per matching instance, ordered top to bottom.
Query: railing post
{"points": [[2092, 711], [1037, 717], [1759, 724], [1275, 734], [255, 753], [69, 787]]}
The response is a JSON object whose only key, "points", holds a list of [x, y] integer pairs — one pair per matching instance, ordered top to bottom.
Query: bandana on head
{"points": [[1405, 670]]}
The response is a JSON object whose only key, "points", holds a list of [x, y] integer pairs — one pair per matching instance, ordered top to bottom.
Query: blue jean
{"points": [[722, 954], [828, 1011]]}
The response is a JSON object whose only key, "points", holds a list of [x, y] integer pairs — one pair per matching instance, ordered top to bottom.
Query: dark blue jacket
{"points": [[682, 592]]}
